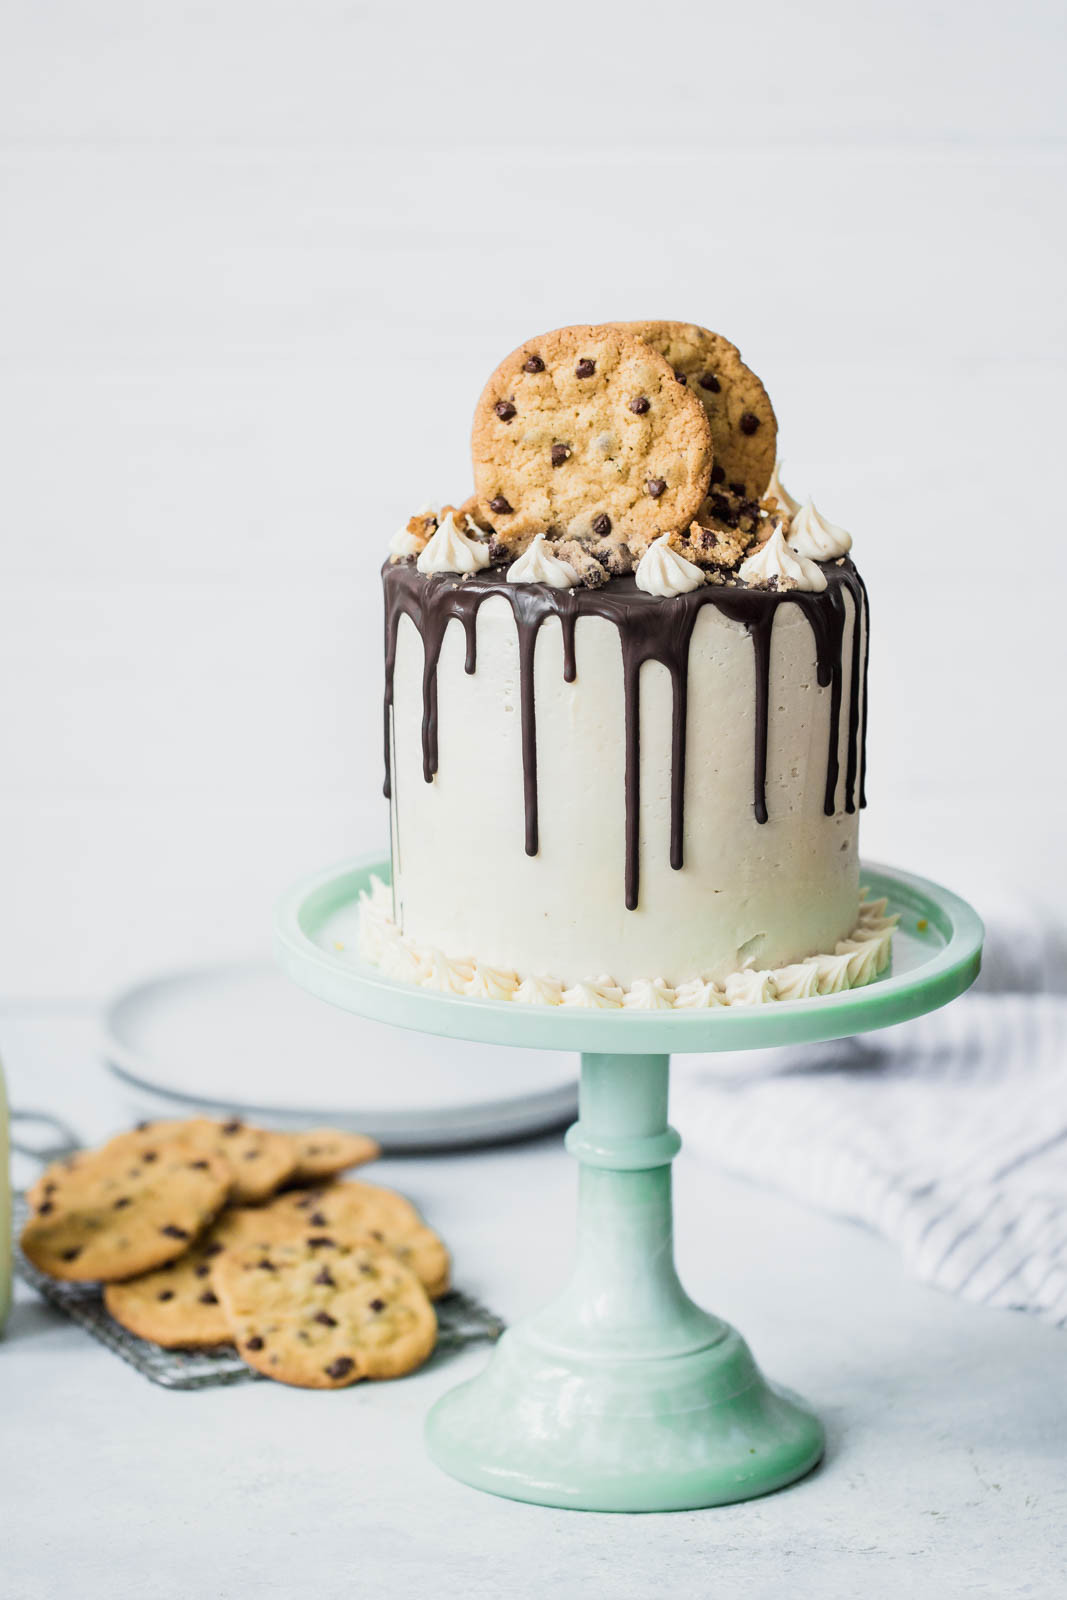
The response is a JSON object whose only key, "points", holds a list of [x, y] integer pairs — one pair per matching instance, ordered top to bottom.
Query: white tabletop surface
{"points": [[945, 1473]]}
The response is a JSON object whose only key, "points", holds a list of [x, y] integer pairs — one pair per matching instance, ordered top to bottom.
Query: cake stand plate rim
{"points": [[360, 988]]}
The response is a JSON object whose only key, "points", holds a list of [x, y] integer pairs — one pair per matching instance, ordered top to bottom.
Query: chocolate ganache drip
{"points": [[650, 628]]}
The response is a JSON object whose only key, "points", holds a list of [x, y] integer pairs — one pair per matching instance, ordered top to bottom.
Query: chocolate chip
{"points": [[533, 364], [585, 368], [680, 376], [709, 381], [640, 404], [504, 410], [749, 423], [560, 454], [718, 474], [656, 486], [737, 488], [500, 506], [602, 525], [233, 1126], [149, 1155], [199, 1166], [50, 1188], [122, 1201], [45, 1208], [318, 1220], [172, 1231], [376, 1235], [318, 1240], [213, 1249], [71, 1255], [267, 1266], [202, 1270], [325, 1277], [165, 1294], [208, 1298], [377, 1305], [325, 1318], [255, 1343], [339, 1368]]}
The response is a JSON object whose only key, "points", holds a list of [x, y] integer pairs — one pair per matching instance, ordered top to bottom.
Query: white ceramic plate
{"points": [[245, 1039]]}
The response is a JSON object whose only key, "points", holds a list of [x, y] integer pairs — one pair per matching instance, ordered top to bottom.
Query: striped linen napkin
{"points": [[947, 1134]]}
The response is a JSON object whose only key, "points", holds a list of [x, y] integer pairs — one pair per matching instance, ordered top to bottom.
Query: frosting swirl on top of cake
{"points": [[777, 490], [811, 535], [451, 550], [537, 564], [776, 564], [663, 571]]}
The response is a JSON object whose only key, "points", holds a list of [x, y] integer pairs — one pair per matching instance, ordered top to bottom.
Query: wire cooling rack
{"points": [[461, 1321]]}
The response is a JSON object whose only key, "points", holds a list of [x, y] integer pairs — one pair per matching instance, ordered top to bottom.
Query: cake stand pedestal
{"points": [[623, 1395]]}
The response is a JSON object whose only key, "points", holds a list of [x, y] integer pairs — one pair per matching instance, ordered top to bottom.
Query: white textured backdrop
{"points": [[257, 260]]}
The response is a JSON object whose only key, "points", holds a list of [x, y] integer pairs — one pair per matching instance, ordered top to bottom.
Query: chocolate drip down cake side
{"points": [[625, 699]]}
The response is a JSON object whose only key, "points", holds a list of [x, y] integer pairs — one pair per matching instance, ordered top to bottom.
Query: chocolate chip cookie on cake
{"points": [[585, 430], [629, 675]]}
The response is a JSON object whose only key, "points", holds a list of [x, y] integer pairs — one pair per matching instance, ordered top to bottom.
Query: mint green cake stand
{"points": [[622, 1395]]}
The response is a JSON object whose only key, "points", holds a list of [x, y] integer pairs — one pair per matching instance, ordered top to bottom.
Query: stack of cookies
{"points": [[604, 438], [206, 1233]]}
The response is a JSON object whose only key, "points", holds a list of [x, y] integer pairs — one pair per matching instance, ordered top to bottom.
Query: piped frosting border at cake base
{"points": [[854, 962]]}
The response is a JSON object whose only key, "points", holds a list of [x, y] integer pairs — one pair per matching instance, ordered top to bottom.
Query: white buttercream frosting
{"points": [[777, 488], [812, 536], [404, 544], [450, 550], [775, 562], [537, 564], [663, 571], [375, 919], [398, 960], [863, 960], [855, 961], [833, 972], [447, 974], [798, 981], [492, 983], [750, 988], [539, 992], [594, 994], [650, 994], [698, 995]]}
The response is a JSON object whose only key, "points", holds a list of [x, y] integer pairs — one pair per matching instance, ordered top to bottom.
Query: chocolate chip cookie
{"points": [[744, 429], [585, 431], [322, 1152], [124, 1209], [353, 1210], [176, 1305], [322, 1314]]}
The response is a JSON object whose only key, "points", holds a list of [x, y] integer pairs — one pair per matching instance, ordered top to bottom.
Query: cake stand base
{"points": [[623, 1395]]}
